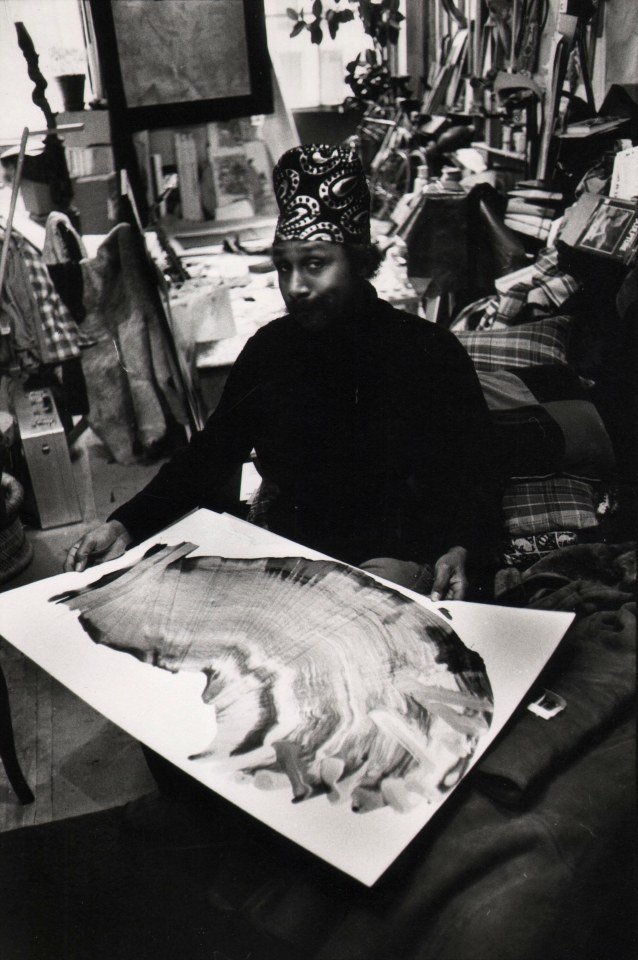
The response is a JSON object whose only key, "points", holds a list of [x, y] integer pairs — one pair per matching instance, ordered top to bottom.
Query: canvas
{"points": [[245, 666]]}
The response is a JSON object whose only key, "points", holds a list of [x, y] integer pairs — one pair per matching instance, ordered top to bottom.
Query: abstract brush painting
{"points": [[325, 682]]}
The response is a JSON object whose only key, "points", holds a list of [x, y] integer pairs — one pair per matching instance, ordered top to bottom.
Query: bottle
{"points": [[421, 179]]}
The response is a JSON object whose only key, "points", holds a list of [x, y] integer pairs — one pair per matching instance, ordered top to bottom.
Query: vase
{"points": [[72, 89]]}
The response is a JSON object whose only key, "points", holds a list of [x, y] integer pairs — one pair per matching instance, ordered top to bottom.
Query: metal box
{"points": [[47, 457]]}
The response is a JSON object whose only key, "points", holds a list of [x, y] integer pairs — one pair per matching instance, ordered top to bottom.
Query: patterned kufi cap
{"points": [[322, 194]]}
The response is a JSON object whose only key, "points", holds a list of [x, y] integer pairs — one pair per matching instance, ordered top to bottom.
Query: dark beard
{"points": [[320, 315], [314, 318]]}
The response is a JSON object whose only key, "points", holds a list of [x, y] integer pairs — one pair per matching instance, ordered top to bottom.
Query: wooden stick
{"points": [[514, 31], [60, 127], [4, 328]]}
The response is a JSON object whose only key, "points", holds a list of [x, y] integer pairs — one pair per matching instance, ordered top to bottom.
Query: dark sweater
{"points": [[376, 434]]}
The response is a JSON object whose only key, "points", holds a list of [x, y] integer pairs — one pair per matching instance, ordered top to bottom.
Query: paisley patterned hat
{"points": [[322, 194]]}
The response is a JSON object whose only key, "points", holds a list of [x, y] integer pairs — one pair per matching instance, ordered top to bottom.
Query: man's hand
{"points": [[106, 542], [450, 578]]}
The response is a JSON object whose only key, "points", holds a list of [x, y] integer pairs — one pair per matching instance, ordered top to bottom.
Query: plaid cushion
{"points": [[527, 345], [560, 503]]}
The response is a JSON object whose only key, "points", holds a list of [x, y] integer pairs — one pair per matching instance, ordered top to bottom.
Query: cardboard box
{"points": [[36, 197], [96, 199]]}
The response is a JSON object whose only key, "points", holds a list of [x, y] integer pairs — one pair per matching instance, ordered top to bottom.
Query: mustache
{"points": [[304, 307]]}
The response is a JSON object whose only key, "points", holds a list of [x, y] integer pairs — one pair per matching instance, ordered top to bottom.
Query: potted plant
{"points": [[69, 72], [368, 75]]}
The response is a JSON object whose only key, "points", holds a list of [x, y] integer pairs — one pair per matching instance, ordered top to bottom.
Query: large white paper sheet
{"points": [[165, 710]]}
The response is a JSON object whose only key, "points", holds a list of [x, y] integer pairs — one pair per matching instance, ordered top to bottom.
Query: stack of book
{"points": [[531, 209], [603, 226]]}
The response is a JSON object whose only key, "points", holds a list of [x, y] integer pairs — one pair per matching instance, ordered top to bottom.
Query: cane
{"points": [[4, 327]]}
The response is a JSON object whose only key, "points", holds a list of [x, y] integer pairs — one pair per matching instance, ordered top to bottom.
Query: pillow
{"points": [[528, 344], [544, 424], [539, 506]]}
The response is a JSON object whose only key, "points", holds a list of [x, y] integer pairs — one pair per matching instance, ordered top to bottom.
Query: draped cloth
{"points": [[133, 390]]}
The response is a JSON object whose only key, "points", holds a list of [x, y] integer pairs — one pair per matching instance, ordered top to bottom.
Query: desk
{"points": [[255, 301]]}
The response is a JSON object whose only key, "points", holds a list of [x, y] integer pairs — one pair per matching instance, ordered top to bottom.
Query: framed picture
{"points": [[173, 62], [242, 169]]}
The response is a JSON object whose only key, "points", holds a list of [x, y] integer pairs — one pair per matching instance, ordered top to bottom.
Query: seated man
{"points": [[369, 422], [371, 425]]}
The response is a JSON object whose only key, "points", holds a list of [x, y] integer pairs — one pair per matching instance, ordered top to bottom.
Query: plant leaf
{"points": [[317, 9], [292, 13], [333, 23], [298, 27], [316, 33]]}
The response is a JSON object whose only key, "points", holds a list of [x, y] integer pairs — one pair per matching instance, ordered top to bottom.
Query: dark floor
{"points": [[75, 761]]}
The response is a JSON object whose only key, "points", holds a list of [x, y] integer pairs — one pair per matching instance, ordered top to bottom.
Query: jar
{"points": [[448, 184]]}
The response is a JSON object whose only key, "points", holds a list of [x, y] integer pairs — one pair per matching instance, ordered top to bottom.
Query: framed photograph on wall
{"points": [[174, 62]]}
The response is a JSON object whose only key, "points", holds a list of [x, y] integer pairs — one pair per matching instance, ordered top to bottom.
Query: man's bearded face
{"points": [[316, 281]]}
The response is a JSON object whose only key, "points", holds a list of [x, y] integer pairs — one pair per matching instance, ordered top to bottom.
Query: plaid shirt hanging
{"points": [[557, 286], [43, 329], [61, 334]]}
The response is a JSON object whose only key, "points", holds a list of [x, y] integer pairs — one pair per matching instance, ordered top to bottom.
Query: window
{"points": [[55, 27], [311, 75]]}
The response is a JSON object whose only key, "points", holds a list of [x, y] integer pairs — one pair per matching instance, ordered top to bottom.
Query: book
{"points": [[592, 126], [89, 161], [188, 176], [624, 178], [236, 179], [158, 184], [537, 194], [524, 206], [530, 226], [603, 226]]}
